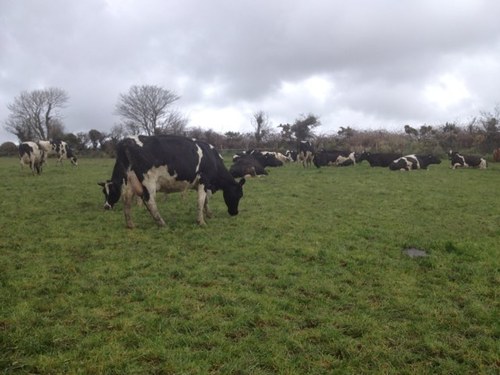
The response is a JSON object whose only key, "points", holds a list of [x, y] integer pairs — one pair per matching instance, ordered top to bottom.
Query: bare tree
{"points": [[146, 108], [35, 115], [175, 123], [261, 125], [302, 127], [491, 129], [412, 132], [96, 138]]}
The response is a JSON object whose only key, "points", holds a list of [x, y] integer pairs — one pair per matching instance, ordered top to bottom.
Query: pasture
{"points": [[309, 278]]}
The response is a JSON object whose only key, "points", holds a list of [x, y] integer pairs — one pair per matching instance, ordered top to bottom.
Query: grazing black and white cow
{"points": [[59, 148], [305, 153], [30, 154], [335, 157], [379, 159], [459, 160], [409, 162], [169, 164]]}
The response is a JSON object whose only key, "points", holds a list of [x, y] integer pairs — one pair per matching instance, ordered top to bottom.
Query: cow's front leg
{"points": [[128, 196], [202, 202], [150, 203]]}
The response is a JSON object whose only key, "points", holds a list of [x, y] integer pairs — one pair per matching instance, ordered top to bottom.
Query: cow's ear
{"points": [[242, 182], [101, 184]]}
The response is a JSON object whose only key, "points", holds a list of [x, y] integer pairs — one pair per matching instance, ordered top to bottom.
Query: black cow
{"points": [[305, 153], [31, 154], [335, 157], [379, 159], [459, 160], [253, 162], [409, 162], [170, 164], [246, 165]]}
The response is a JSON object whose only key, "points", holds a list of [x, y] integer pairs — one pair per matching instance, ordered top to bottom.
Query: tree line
{"points": [[148, 109]]}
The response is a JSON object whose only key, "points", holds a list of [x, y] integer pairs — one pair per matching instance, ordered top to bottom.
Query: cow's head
{"points": [[452, 154], [71, 156], [363, 156], [356, 157], [431, 159], [273, 161], [111, 193], [232, 195]]}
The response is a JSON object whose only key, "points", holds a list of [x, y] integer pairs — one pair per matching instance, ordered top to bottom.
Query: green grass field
{"points": [[310, 278]]}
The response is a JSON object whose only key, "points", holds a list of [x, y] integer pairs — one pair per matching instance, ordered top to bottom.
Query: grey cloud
{"points": [[378, 55]]}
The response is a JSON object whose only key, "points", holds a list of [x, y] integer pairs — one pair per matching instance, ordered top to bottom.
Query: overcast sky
{"points": [[368, 64]]}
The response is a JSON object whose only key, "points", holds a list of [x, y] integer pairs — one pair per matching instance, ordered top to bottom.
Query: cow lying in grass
{"points": [[380, 159], [465, 161], [409, 162], [253, 163]]}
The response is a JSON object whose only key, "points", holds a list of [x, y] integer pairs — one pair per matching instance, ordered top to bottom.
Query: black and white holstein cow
{"points": [[59, 148], [305, 153], [30, 154], [278, 155], [291, 155], [334, 157], [267, 158], [379, 159], [459, 160], [409, 162], [252, 163], [146, 165]]}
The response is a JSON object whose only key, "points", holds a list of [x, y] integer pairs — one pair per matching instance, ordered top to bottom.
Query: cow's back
{"points": [[180, 155]]}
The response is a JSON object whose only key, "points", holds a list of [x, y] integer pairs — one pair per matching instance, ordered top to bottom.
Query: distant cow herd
{"points": [[35, 154], [146, 165]]}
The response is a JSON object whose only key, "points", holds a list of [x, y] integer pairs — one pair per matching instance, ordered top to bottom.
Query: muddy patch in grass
{"points": [[413, 252]]}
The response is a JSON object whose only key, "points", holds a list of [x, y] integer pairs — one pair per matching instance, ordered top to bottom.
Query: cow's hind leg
{"points": [[32, 167], [38, 168], [202, 204], [206, 209]]}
